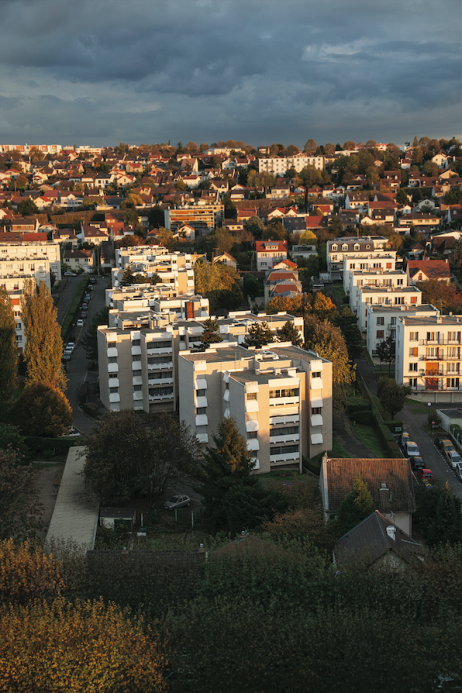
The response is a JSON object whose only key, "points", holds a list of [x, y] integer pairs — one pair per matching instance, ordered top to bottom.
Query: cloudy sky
{"points": [[262, 71]]}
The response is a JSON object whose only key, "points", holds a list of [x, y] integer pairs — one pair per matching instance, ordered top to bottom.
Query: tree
{"points": [[310, 146], [402, 197], [27, 207], [131, 217], [255, 226], [335, 226], [307, 237], [165, 238], [219, 283], [251, 286], [442, 296], [323, 307], [348, 324], [211, 333], [289, 333], [259, 335], [89, 341], [328, 342], [44, 346], [386, 351], [8, 352], [392, 396], [43, 410], [10, 437], [129, 453], [227, 464], [246, 507], [355, 507], [20, 509], [446, 525], [28, 572], [87, 646]]}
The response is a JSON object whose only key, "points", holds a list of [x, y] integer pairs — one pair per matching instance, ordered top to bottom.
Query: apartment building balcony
{"points": [[441, 340], [155, 351], [441, 356], [167, 365], [160, 381], [160, 398], [281, 401], [288, 438], [285, 457]]}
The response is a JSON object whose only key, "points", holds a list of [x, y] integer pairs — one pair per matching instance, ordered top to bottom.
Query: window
{"points": [[335, 247], [388, 265], [352, 266], [413, 299], [399, 300], [380, 321], [393, 321], [18, 325], [380, 334], [413, 336], [19, 338], [136, 342], [158, 345], [413, 351], [136, 357], [112, 359], [413, 366], [136, 373], [316, 374], [113, 375], [452, 382], [137, 388], [113, 390], [160, 391], [284, 392], [199, 393], [251, 395], [201, 410], [315, 410], [290, 430], [252, 434], [283, 450]]}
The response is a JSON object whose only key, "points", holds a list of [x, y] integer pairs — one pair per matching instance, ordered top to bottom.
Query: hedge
{"points": [[73, 309], [354, 409], [373, 417], [59, 445], [314, 465]]}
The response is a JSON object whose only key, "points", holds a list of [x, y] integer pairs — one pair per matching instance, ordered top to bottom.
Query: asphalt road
{"points": [[77, 366], [413, 422]]}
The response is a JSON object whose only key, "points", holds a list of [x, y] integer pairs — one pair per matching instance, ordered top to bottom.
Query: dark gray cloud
{"points": [[257, 70]]}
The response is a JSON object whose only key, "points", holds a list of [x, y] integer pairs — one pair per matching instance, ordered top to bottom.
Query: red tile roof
{"points": [[433, 269]]}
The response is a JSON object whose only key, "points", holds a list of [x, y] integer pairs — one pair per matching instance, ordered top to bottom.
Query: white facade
{"points": [[279, 165], [338, 248], [367, 262], [379, 278], [386, 296], [381, 321], [429, 357], [280, 397]]}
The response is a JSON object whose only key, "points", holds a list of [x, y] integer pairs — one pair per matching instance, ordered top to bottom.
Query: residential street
{"points": [[77, 366], [413, 423]]}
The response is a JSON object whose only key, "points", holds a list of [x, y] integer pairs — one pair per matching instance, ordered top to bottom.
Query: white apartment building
{"points": [[279, 165], [200, 217], [338, 248], [22, 257], [367, 262], [375, 278], [14, 285], [385, 296], [145, 297], [381, 321], [138, 350], [429, 357], [280, 397]]}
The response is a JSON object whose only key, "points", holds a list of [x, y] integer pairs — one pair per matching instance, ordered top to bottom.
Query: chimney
{"points": [[391, 531]]}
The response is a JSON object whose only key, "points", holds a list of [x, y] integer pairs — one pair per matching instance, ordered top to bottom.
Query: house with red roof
{"points": [[269, 253], [424, 270]]}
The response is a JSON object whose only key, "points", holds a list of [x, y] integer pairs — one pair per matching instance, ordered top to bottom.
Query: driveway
{"points": [[77, 367], [413, 422]]}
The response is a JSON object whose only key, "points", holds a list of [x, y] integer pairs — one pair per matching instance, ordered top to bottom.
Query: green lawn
{"points": [[339, 291], [368, 436]]}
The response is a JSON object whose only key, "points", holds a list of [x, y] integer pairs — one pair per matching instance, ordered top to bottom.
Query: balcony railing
{"points": [[441, 340], [441, 357]]}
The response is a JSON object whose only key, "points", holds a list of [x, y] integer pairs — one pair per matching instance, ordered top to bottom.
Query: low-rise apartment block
{"points": [[279, 165], [203, 218], [338, 248], [270, 253], [367, 262], [373, 278], [385, 296], [381, 321], [138, 350], [429, 357], [280, 397]]}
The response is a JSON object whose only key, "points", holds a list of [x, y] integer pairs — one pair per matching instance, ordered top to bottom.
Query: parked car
{"points": [[70, 274], [93, 280], [87, 298], [84, 306], [83, 314], [79, 323], [70, 346], [66, 356], [73, 432], [404, 437], [439, 440], [447, 447], [411, 449], [454, 459], [417, 463], [458, 471], [426, 475], [177, 502]]}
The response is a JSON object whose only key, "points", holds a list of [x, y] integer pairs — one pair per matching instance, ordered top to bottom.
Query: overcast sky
{"points": [[262, 71]]}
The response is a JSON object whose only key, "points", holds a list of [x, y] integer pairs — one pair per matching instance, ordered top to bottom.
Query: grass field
{"points": [[368, 436]]}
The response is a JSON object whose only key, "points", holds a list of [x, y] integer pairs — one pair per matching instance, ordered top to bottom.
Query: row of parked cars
{"points": [[412, 452], [450, 454]]}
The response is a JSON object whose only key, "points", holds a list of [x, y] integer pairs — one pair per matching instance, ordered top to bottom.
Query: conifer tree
{"points": [[289, 333], [211, 334], [259, 335], [44, 346], [8, 353], [227, 464], [355, 508]]}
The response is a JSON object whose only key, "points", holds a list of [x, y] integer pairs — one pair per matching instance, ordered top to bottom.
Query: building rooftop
{"points": [[447, 320]]}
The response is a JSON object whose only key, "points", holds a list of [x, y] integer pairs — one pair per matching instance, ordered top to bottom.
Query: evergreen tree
{"points": [[289, 333], [211, 334], [259, 335], [89, 341], [44, 346], [8, 353], [227, 464], [357, 505], [246, 507], [446, 526]]}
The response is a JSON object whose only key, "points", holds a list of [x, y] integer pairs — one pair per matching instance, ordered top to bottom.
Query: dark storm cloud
{"points": [[246, 68]]}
